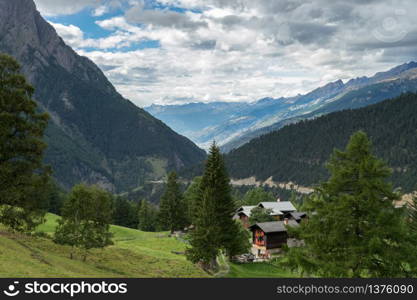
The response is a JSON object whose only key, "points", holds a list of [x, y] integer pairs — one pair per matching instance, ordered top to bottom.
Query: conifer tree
{"points": [[23, 177], [191, 197], [125, 213], [172, 214], [147, 216], [215, 230], [354, 230]]}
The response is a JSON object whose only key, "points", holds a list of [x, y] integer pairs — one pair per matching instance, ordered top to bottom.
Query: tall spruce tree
{"points": [[23, 177], [191, 197], [172, 211], [125, 213], [147, 216], [215, 230], [354, 230]]}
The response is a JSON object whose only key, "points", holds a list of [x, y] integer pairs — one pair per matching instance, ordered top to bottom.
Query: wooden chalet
{"points": [[279, 208], [243, 214], [296, 216], [269, 237]]}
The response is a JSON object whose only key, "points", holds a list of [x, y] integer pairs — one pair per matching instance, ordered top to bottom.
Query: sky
{"points": [[181, 51]]}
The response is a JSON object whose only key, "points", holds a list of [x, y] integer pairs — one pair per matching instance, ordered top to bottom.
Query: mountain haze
{"points": [[95, 135]]}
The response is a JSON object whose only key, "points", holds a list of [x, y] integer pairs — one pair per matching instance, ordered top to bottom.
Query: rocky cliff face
{"points": [[95, 135]]}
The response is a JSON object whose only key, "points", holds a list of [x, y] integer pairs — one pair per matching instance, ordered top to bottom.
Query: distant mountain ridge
{"points": [[240, 122], [95, 135], [297, 153]]}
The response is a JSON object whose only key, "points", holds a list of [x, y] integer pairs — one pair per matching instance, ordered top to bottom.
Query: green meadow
{"points": [[134, 254]]}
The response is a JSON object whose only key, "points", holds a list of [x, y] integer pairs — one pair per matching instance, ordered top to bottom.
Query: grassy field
{"points": [[135, 254], [258, 270]]}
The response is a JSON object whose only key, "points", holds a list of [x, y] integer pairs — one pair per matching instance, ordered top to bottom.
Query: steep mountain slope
{"points": [[240, 122], [95, 135], [298, 152]]}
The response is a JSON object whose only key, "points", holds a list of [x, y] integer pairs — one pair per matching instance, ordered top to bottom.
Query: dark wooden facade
{"points": [[276, 239], [269, 240]]}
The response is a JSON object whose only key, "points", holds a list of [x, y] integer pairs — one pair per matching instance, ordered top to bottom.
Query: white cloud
{"points": [[63, 7], [100, 10], [71, 34], [242, 50]]}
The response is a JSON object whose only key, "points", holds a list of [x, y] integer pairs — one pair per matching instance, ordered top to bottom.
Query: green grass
{"points": [[134, 254], [259, 270]]}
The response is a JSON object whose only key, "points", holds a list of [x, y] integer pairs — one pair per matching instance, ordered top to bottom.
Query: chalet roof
{"points": [[278, 208], [245, 210], [297, 215], [277, 226]]}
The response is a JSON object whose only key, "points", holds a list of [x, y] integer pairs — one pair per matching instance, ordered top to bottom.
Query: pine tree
{"points": [[23, 177], [55, 197], [191, 197], [125, 213], [172, 214], [147, 216], [215, 229], [355, 230]]}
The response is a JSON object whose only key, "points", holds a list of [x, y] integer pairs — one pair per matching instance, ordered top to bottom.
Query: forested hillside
{"points": [[298, 152]]}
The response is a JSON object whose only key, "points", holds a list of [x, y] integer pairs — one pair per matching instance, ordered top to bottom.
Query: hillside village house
{"points": [[279, 208], [280, 211], [243, 213], [269, 237]]}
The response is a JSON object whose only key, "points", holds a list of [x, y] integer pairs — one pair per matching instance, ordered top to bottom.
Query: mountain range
{"points": [[234, 124], [95, 135], [298, 152]]}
